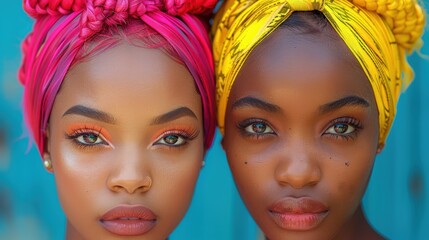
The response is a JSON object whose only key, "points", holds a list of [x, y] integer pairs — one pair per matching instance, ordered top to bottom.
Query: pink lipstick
{"points": [[298, 214], [128, 220]]}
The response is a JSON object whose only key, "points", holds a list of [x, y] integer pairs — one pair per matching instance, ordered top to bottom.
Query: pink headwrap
{"points": [[63, 27]]}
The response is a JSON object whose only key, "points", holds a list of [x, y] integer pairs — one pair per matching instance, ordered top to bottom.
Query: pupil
{"points": [[259, 127], [341, 128], [90, 138], [171, 139]]}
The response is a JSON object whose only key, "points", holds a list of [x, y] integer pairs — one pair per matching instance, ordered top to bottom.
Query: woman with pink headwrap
{"points": [[119, 98]]}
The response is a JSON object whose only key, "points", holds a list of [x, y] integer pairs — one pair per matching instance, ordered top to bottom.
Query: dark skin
{"points": [[301, 136]]}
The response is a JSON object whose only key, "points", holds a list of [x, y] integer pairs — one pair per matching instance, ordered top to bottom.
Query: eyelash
{"points": [[349, 122], [242, 126], [81, 132], [183, 135]]}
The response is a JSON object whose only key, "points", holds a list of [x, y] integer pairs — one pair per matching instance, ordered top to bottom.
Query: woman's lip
{"points": [[298, 214], [128, 220]]}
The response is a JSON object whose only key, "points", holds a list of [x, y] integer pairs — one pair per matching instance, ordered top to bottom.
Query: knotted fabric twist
{"points": [[63, 27], [379, 33]]}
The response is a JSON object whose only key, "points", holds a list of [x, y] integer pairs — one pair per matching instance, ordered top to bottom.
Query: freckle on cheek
{"points": [[245, 162], [346, 164]]}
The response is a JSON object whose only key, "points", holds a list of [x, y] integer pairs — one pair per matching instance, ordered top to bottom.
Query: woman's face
{"points": [[301, 133], [126, 142]]}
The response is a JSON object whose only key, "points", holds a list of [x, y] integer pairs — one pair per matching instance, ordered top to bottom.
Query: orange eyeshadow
{"points": [[73, 128]]}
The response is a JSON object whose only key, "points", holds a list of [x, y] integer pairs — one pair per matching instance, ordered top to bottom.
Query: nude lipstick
{"points": [[298, 214], [128, 220]]}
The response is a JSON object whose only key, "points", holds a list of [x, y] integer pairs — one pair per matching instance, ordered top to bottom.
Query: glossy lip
{"points": [[298, 214], [128, 220]]}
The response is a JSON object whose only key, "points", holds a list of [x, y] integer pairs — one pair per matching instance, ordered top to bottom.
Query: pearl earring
{"points": [[48, 165]]}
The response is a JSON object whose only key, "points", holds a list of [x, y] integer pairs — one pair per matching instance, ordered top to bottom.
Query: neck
{"points": [[358, 228]]}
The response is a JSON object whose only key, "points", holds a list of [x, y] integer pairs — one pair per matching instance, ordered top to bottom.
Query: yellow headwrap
{"points": [[379, 33]]}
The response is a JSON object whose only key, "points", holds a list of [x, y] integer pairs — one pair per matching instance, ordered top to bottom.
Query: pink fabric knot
{"points": [[175, 7], [180, 7], [37, 8], [139, 8], [101, 12]]}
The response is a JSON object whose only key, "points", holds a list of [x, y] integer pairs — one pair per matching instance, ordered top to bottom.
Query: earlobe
{"points": [[380, 148], [47, 162], [203, 162]]}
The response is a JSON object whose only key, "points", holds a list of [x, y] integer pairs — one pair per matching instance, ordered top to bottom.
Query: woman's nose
{"points": [[298, 166], [131, 174]]}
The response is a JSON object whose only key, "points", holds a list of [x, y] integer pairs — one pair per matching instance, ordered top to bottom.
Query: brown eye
{"points": [[258, 128], [341, 129]]}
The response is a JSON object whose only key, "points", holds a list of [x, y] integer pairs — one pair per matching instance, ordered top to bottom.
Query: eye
{"points": [[255, 127], [344, 127], [258, 128], [341, 128], [177, 137], [89, 139], [171, 140]]}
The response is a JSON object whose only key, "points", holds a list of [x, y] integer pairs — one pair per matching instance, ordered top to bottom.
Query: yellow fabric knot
{"points": [[304, 5], [379, 33]]}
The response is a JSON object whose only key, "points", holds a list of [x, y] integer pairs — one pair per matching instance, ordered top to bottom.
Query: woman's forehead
{"points": [[289, 60]]}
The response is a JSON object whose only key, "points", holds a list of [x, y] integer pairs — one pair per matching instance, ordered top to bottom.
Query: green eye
{"points": [[89, 138], [171, 140]]}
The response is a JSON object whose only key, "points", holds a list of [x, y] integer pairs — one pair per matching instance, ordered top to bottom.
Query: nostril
{"points": [[147, 184], [131, 186], [116, 188]]}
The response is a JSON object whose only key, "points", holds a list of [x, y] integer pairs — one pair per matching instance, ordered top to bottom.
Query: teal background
{"points": [[396, 202]]}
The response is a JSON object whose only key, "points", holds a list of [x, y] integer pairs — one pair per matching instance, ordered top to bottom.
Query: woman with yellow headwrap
{"points": [[306, 96]]}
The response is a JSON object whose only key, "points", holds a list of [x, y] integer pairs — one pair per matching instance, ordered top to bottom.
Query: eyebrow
{"points": [[346, 101], [255, 102], [90, 113], [173, 115]]}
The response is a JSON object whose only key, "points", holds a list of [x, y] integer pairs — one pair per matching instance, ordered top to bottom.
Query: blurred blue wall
{"points": [[397, 200]]}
